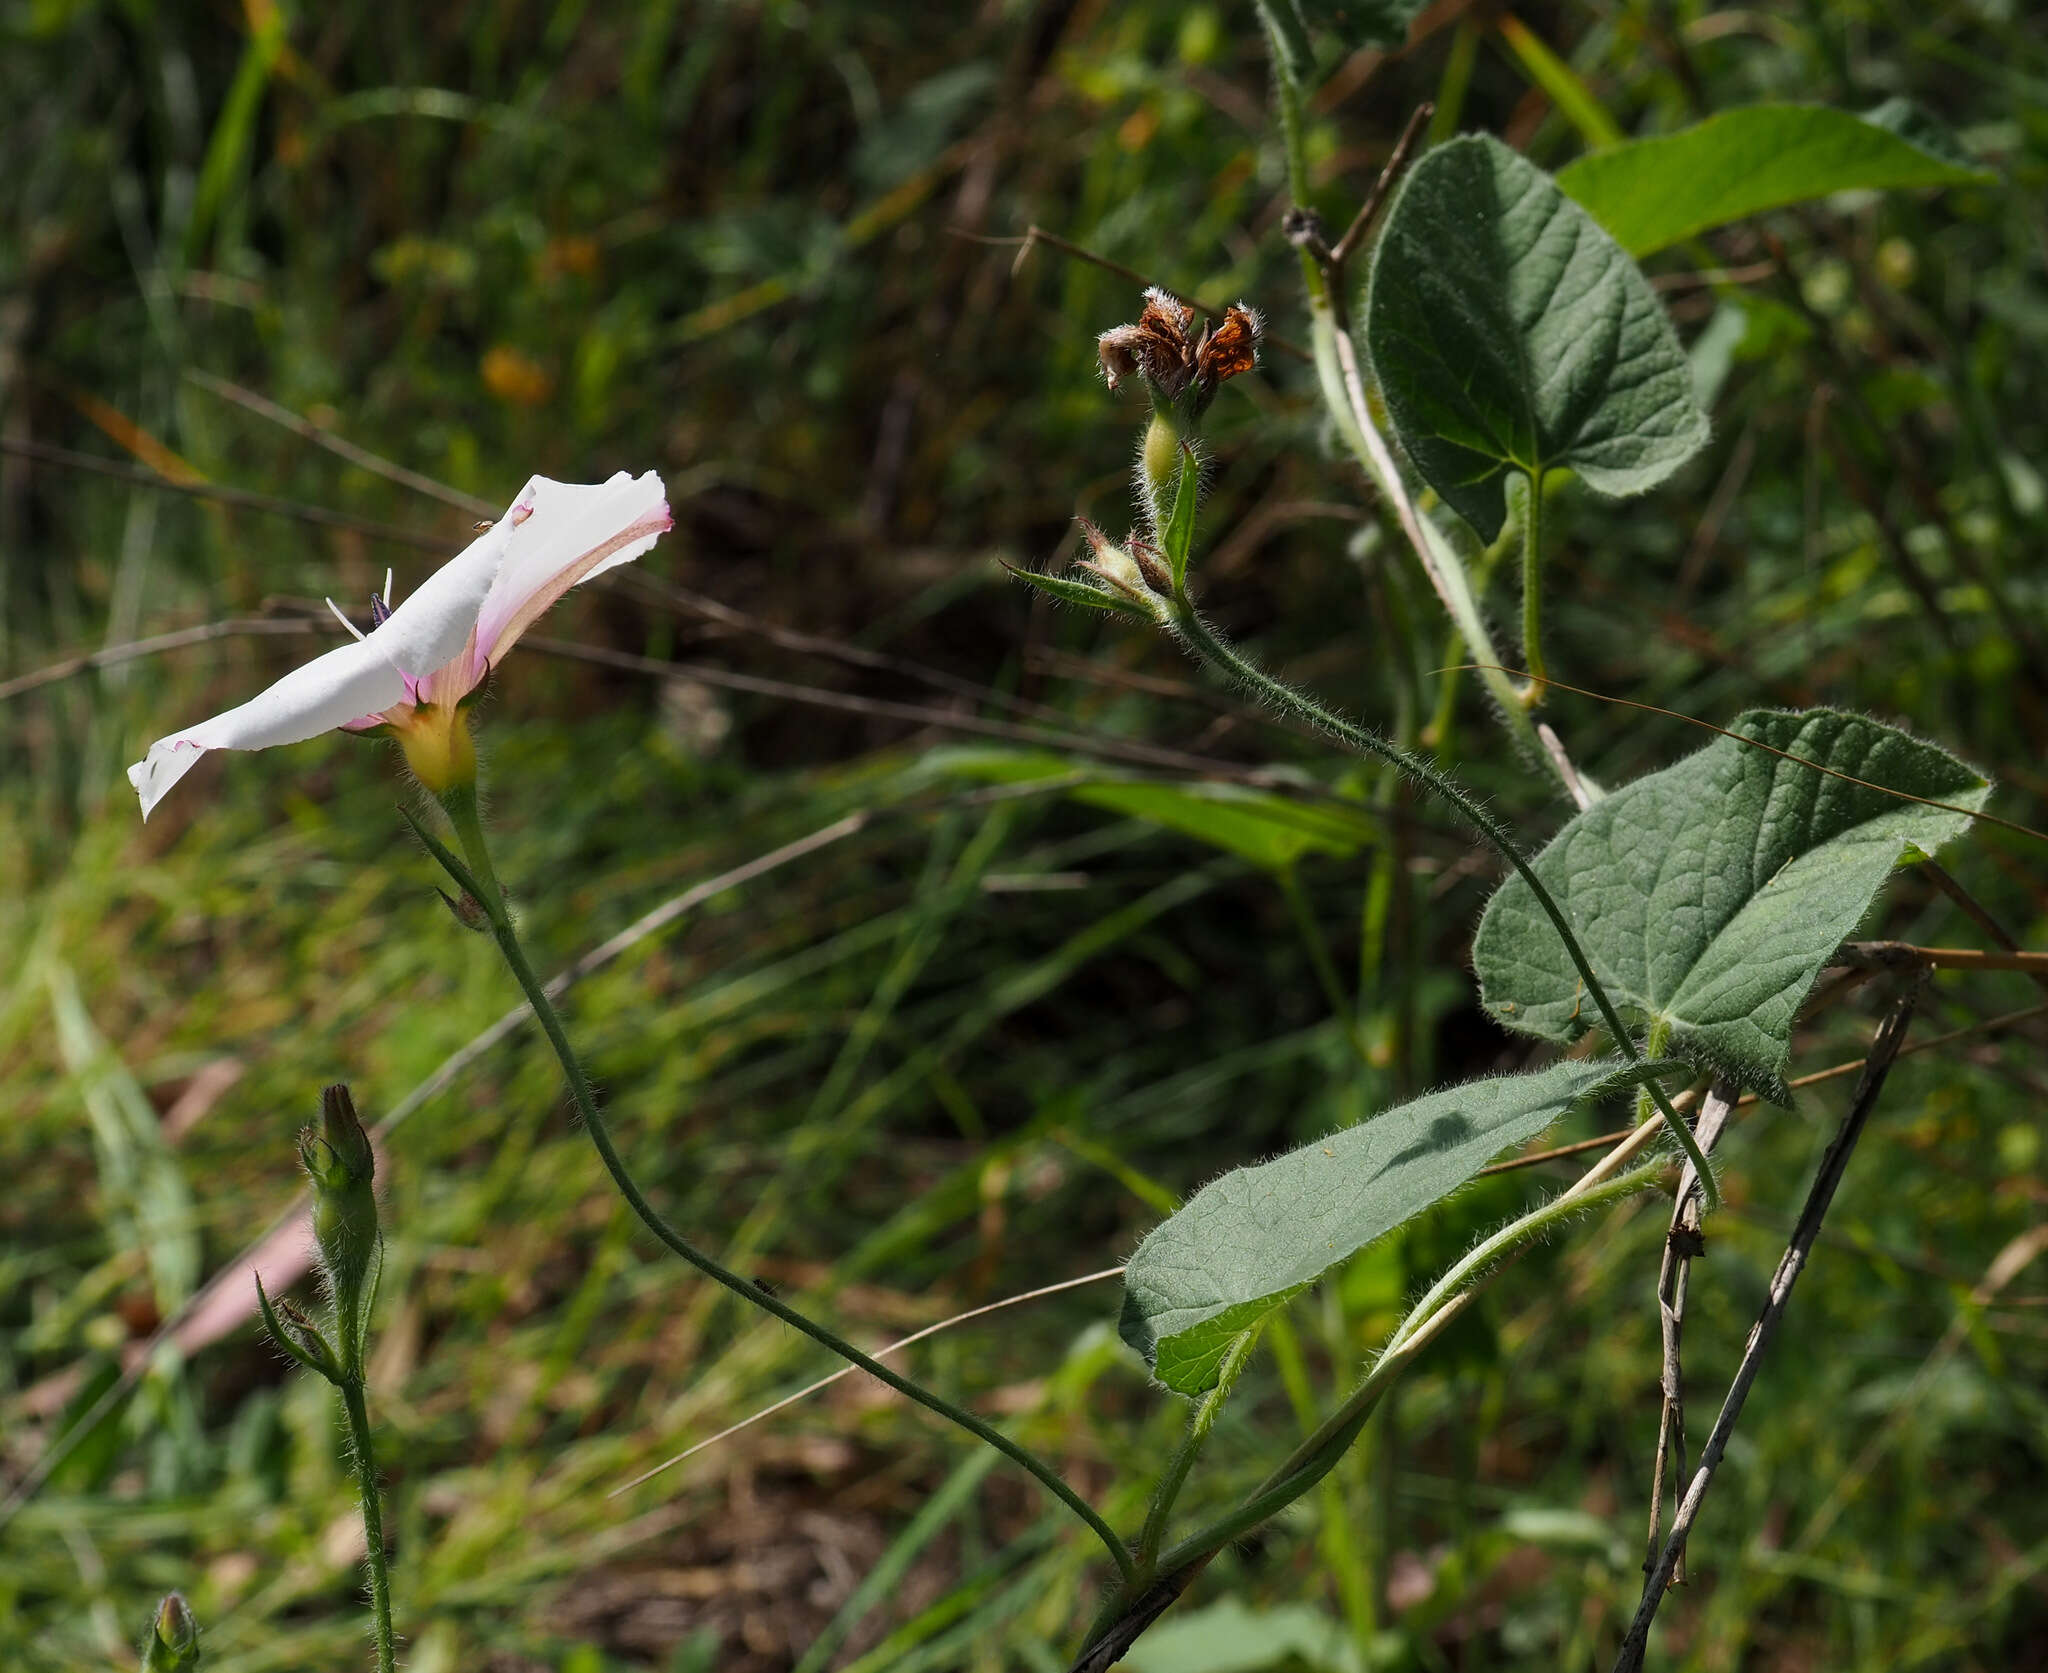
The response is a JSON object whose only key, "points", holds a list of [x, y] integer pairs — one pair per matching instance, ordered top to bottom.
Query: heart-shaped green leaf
{"points": [[1651, 193], [1510, 332], [1710, 896], [1248, 1241]]}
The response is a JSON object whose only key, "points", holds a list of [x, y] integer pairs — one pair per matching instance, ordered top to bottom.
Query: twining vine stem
{"points": [[1343, 385], [1211, 647], [479, 881], [1884, 1048], [1681, 1242], [1160, 1582]]}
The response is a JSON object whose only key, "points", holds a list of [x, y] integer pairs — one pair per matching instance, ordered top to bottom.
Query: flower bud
{"points": [[1159, 458], [1132, 570], [466, 910], [337, 1153], [342, 1166], [298, 1336], [173, 1642]]}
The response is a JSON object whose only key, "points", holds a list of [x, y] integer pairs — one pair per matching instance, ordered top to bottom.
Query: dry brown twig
{"points": [[340, 446], [270, 504], [1884, 1050], [1681, 1243]]}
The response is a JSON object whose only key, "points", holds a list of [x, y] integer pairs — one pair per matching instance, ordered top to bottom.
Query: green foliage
{"points": [[1652, 193], [1510, 332], [1177, 539], [1271, 831], [1711, 895], [944, 1058], [144, 1190], [1247, 1242], [1226, 1637]]}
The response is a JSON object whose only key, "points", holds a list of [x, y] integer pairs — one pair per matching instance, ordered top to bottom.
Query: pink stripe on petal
{"points": [[574, 531], [437, 645], [453, 680]]}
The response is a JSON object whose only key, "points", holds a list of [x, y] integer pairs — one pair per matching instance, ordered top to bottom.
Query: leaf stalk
{"points": [[1532, 593]]}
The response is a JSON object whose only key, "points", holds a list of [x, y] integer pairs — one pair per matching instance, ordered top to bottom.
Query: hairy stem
{"points": [[1287, 95], [1293, 141], [1342, 381], [1343, 387], [1532, 592], [1211, 647], [481, 882], [1655, 1046], [1534, 1224], [1200, 1421], [373, 1520]]}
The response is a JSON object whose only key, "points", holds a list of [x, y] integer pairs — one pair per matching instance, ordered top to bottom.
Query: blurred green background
{"points": [[984, 1036]]}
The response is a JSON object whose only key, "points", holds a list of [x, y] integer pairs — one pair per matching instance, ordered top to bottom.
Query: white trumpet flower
{"points": [[412, 672]]}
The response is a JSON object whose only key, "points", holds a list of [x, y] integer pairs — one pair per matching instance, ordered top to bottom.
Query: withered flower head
{"points": [[1231, 347], [1156, 348], [1162, 349]]}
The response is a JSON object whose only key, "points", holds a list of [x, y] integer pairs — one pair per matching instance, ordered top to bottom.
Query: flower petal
{"points": [[563, 533], [430, 628], [439, 643], [347, 683]]}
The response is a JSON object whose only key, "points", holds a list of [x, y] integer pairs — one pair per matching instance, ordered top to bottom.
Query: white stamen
{"points": [[390, 603], [343, 619]]}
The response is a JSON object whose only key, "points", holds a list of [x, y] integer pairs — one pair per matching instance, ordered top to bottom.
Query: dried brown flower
{"points": [[1230, 348], [1162, 349]]}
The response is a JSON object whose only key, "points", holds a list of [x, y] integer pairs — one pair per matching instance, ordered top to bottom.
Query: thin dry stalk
{"points": [[1884, 1049], [1681, 1243]]}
